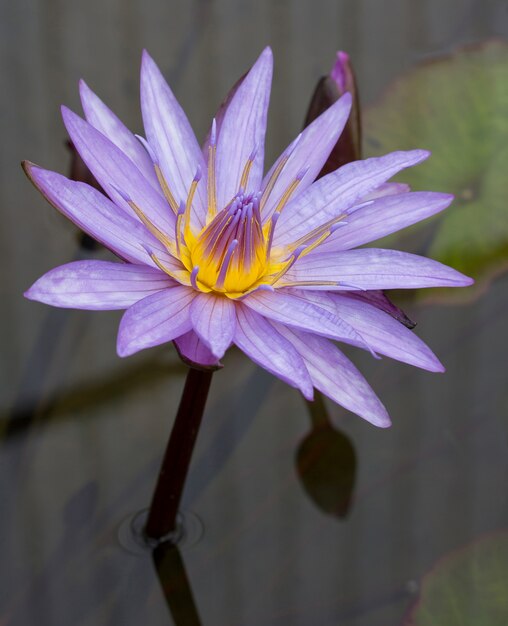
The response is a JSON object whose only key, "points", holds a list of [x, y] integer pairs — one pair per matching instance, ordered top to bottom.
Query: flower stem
{"points": [[317, 411], [175, 465]]}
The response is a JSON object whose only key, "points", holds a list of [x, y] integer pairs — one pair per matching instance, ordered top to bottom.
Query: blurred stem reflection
{"points": [[175, 584]]}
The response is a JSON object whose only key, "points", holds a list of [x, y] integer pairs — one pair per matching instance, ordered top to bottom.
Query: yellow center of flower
{"points": [[230, 251], [232, 254]]}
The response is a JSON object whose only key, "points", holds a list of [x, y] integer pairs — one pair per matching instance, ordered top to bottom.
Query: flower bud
{"points": [[328, 90]]}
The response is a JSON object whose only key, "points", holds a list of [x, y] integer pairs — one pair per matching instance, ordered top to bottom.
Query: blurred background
{"points": [[295, 517]]}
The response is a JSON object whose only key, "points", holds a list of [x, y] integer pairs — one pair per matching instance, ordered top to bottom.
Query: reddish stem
{"points": [[175, 465]]}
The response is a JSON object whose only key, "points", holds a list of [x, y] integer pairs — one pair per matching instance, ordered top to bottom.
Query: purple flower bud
{"points": [[342, 73], [328, 90]]}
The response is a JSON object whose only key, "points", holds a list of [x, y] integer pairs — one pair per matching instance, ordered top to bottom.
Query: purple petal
{"points": [[342, 72], [219, 115], [103, 119], [243, 131], [171, 137], [311, 151], [116, 173], [387, 189], [334, 194], [95, 214], [384, 216], [372, 268], [98, 285], [382, 302], [296, 311], [157, 319], [214, 320], [383, 333], [255, 336], [194, 352], [335, 376]]}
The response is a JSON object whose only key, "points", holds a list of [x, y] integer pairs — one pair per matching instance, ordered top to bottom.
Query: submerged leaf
{"points": [[457, 107], [326, 463], [326, 466]]}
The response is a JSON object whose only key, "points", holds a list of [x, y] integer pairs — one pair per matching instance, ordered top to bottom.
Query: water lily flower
{"points": [[214, 253]]}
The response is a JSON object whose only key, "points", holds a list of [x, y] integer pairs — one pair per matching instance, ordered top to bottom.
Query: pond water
{"points": [[295, 515]]}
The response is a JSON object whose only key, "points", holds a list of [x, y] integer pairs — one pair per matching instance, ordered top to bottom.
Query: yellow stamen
{"points": [[246, 172], [210, 183], [271, 183], [166, 190], [287, 194], [188, 206], [153, 229], [316, 231], [178, 233], [218, 238], [316, 243], [231, 250], [287, 265], [280, 274], [181, 276], [308, 283]]}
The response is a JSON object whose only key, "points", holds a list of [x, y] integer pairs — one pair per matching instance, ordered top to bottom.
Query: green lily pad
{"points": [[457, 107], [467, 588]]}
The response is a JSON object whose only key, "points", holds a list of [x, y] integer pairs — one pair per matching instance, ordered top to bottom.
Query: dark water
{"points": [[291, 520]]}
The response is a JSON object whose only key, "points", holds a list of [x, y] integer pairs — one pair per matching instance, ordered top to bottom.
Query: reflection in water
{"points": [[91, 395], [27, 403], [23, 413], [326, 463], [63, 563], [175, 584]]}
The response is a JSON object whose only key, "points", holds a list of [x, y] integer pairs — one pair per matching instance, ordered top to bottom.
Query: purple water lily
{"points": [[213, 253]]}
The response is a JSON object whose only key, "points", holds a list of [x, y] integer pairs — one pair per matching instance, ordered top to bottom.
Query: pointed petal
{"points": [[342, 72], [219, 115], [103, 119], [243, 131], [171, 137], [311, 151], [116, 173], [387, 189], [334, 194], [95, 214], [384, 216], [372, 268], [97, 285], [381, 301], [296, 311], [157, 319], [214, 320], [383, 333], [255, 336], [194, 352], [335, 376]]}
